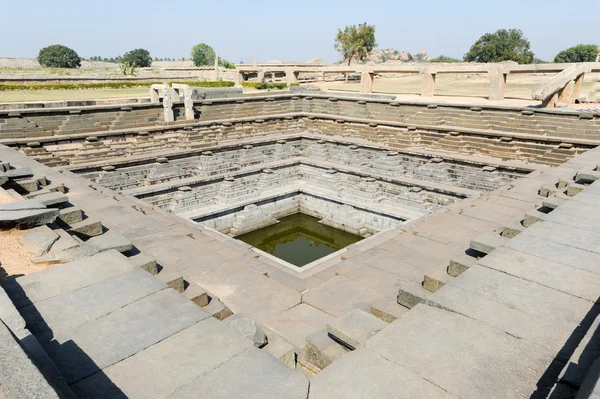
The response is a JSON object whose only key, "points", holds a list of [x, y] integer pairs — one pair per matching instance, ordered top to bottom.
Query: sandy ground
{"points": [[14, 260]]}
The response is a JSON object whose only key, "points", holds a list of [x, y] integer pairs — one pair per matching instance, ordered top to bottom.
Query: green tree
{"points": [[355, 41], [503, 45], [579, 53], [203, 54], [58, 56], [138, 58], [444, 58]]}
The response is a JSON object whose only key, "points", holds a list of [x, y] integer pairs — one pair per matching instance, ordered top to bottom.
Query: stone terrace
{"points": [[491, 296]]}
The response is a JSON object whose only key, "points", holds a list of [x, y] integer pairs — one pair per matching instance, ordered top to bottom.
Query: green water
{"points": [[299, 239]]}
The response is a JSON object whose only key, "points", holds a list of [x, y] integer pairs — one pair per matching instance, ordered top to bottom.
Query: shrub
{"points": [[579, 53], [203, 54], [58, 56], [138, 58], [445, 59], [226, 64], [107, 85], [267, 85]]}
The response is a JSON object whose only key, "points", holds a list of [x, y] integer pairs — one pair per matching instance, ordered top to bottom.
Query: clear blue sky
{"points": [[285, 30]]}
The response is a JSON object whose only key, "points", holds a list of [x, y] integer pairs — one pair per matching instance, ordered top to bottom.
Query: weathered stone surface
{"points": [[18, 173], [52, 199], [70, 215], [27, 218], [86, 228], [39, 240], [110, 240], [487, 242], [144, 261], [460, 263], [64, 278], [172, 279], [196, 294], [411, 294], [217, 309], [388, 311], [9, 315], [57, 316], [299, 322], [355, 327], [247, 328], [122, 333], [434, 342], [281, 350], [321, 350], [160, 369], [365, 374], [20, 377], [243, 377]]}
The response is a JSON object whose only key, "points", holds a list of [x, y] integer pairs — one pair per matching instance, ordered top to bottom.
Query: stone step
{"points": [[70, 215], [532, 217], [87, 228], [513, 229], [110, 240], [487, 242], [145, 261], [437, 278], [172, 279], [196, 294], [217, 309], [388, 311], [354, 328], [321, 350]]}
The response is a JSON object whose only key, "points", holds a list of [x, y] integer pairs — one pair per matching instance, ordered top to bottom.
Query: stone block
{"points": [[18, 173], [587, 177], [574, 189], [547, 191], [52, 199], [553, 202], [25, 205], [70, 215], [532, 217], [26, 218], [87, 228], [512, 230], [39, 240], [110, 240], [487, 242], [145, 261], [70, 276], [436, 278], [172, 279], [196, 294], [410, 294], [217, 309], [387, 311], [57, 316], [247, 328], [354, 328], [122, 333], [281, 350], [321, 350], [167, 365], [365, 374], [20, 377], [243, 377]]}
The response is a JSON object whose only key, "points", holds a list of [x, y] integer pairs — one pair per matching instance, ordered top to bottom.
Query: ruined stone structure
{"points": [[478, 275]]}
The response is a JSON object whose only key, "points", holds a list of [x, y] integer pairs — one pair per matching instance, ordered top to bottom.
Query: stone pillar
{"points": [[254, 60], [216, 66], [261, 75], [290, 76], [323, 76], [238, 78], [366, 82], [497, 85], [577, 87], [428, 88], [155, 93], [566, 93], [551, 101], [189, 103], [167, 104]]}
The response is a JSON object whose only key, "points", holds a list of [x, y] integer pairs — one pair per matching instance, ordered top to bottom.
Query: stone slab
{"points": [[51, 199], [22, 205], [27, 218], [567, 235], [39, 240], [110, 240], [486, 243], [145, 262], [64, 278], [196, 294], [340, 295], [217, 309], [388, 311], [57, 316], [299, 322], [355, 327], [248, 329], [122, 333], [448, 349], [281, 350], [321, 350], [160, 369], [365, 374], [20, 377], [244, 377]]}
